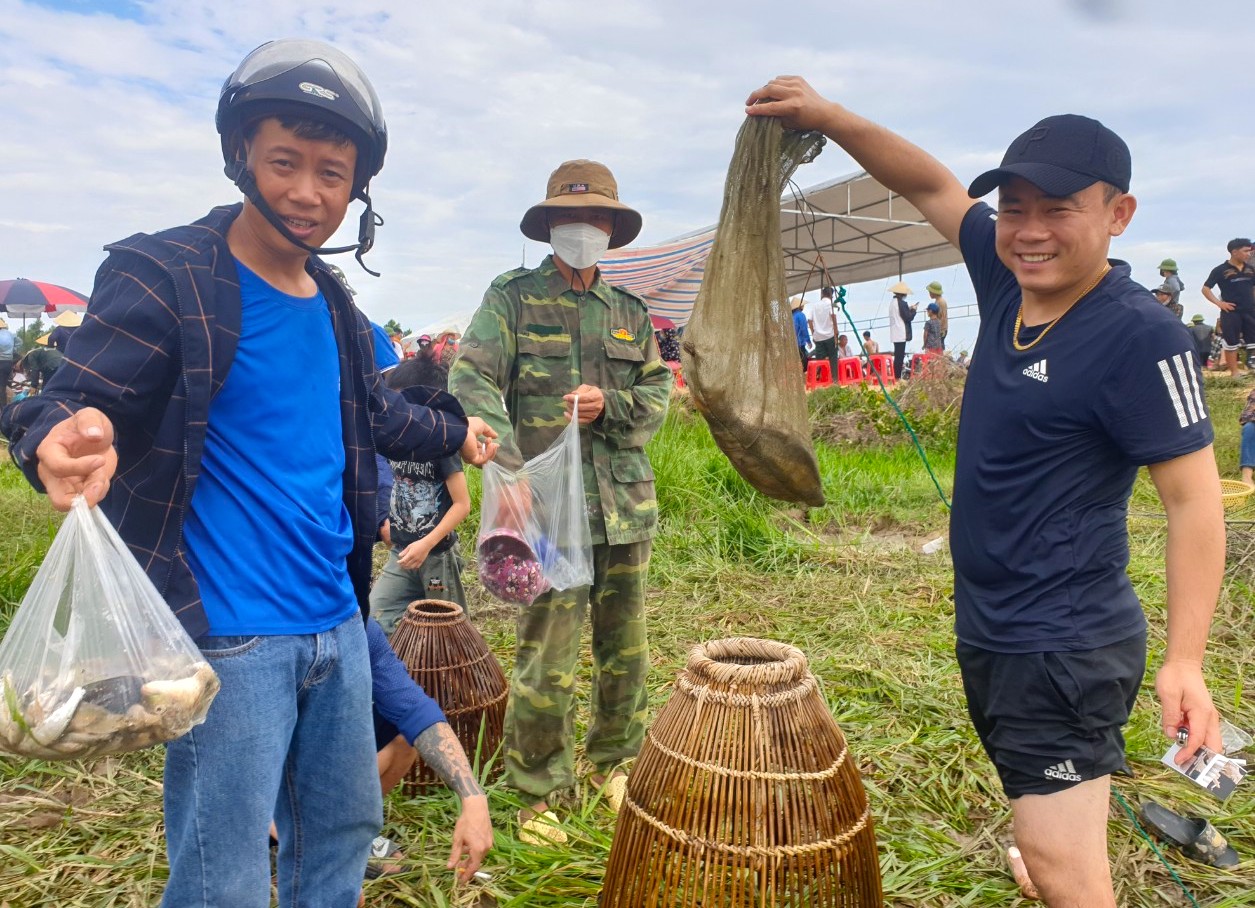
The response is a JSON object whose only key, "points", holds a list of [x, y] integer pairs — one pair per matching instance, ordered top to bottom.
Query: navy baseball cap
{"points": [[1061, 155]]}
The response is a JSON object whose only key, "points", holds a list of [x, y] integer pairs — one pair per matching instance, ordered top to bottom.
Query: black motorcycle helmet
{"points": [[310, 79]]}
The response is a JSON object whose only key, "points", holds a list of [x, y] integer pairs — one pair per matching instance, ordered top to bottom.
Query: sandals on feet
{"points": [[613, 789], [541, 828], [1196, 838], [381, 850]]}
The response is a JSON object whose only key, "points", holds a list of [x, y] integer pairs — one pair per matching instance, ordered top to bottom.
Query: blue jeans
{"points": [[1246, 454], [289, 736]]}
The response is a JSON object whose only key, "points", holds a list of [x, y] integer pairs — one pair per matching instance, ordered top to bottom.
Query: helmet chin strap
{"points": [[241, 176]]}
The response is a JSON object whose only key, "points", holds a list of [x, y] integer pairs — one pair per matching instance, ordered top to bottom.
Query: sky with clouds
{"points": [[108, 112]]}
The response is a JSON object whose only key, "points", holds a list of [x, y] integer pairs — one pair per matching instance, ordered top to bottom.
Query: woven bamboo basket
{"points": [[1235, 495], [447, 656], [744, 794]]}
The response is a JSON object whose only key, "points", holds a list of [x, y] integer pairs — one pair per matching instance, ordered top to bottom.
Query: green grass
{"points": [[846, 583]]}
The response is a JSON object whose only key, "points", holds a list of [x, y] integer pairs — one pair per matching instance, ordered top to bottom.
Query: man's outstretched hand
{"points": [[792, 99], [479, 447], [78, 458], [1187, 704], [472, 837]]}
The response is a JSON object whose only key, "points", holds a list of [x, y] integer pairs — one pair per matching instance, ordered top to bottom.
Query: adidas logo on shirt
{"points": [[1037, 370], [1185, 390], [1065, 770]]}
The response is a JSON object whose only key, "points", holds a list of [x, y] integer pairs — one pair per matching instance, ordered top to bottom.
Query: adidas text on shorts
{"points": [[1049, 720]]}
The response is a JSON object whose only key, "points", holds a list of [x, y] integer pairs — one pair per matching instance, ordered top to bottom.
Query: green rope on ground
{"points": [[906, 423], [1153, 847]]}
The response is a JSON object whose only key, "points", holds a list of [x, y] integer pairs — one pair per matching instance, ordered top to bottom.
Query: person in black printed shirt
{"points": [[1236, 280], [428, 500], [1051, 635]]}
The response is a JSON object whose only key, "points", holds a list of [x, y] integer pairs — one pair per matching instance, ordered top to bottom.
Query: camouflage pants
{"points": [[539, 722]]}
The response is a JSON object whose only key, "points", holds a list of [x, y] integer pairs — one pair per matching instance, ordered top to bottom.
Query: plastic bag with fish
{"points": [[739, 349], [94, 661]]}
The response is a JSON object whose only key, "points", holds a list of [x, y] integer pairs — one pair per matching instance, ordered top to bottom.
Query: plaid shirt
{"points": [[155, 346]]}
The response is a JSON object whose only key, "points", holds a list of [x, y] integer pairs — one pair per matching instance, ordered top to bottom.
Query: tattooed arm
{"points": [[401, 702], [442, 751], [472, 834]]}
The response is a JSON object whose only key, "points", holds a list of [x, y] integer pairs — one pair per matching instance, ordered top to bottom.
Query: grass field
{"points": [[847, 583]]}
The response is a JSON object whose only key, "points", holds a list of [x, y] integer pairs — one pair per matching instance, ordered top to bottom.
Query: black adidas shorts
{"points": [[1050, 720]]}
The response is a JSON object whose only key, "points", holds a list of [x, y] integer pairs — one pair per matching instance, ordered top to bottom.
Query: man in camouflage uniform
{"points": [[541, 337]]}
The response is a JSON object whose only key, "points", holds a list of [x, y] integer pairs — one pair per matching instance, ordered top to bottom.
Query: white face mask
{"points": [[579, 245]]}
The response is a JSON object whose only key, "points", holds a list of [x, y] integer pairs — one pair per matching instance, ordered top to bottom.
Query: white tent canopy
{"points": [[852, 226], [859, 231]]}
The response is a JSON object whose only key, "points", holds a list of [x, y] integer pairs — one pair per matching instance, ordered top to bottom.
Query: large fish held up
{"points": [[739, 349]]}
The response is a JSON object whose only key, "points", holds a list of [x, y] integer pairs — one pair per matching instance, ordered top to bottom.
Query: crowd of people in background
{"points": [[815, 334], [1223, 345], [24, 371]]}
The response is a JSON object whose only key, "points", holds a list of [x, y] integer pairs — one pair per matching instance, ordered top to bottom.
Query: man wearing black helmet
{"points": [[238, 378], [1051, 635]]}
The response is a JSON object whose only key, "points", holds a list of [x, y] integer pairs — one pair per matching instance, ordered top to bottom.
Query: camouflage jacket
{"points": [[531, 341]]}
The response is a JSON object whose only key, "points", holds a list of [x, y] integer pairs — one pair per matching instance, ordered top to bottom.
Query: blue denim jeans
{"points": [[1246, 454], [289, 736]]}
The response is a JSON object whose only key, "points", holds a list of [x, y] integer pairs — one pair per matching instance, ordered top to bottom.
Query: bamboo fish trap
{"points": [[447, 656], [744, 794]]}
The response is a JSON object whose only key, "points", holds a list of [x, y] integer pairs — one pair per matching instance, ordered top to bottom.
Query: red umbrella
{"points": [[22, 298]]}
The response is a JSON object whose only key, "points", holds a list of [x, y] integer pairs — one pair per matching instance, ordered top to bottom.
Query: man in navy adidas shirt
{"points": [[1051, 636]]}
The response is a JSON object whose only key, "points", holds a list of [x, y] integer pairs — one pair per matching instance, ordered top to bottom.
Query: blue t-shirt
{"points": [[385, 356], [1050, 440], [267, 531]]}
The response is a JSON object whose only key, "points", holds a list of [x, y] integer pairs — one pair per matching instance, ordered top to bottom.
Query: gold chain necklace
{"points": [[1019, 315]]}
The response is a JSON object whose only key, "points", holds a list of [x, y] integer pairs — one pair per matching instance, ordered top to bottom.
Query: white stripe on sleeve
{"points": [[1183, 369], [1173, 393]]}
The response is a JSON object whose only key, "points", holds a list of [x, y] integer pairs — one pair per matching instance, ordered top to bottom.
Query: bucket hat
{"points": [[582, 184], [1168, 265], [934, 287]]}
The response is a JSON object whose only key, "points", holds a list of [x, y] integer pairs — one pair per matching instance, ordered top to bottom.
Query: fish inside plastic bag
{"points": [[94, 661]]}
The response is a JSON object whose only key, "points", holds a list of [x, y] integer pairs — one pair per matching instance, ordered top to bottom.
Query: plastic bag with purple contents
{"points": [[533, 529]]}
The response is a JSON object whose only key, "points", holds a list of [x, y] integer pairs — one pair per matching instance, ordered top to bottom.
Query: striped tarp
{"points": [[841, 232], [667, 276]]}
